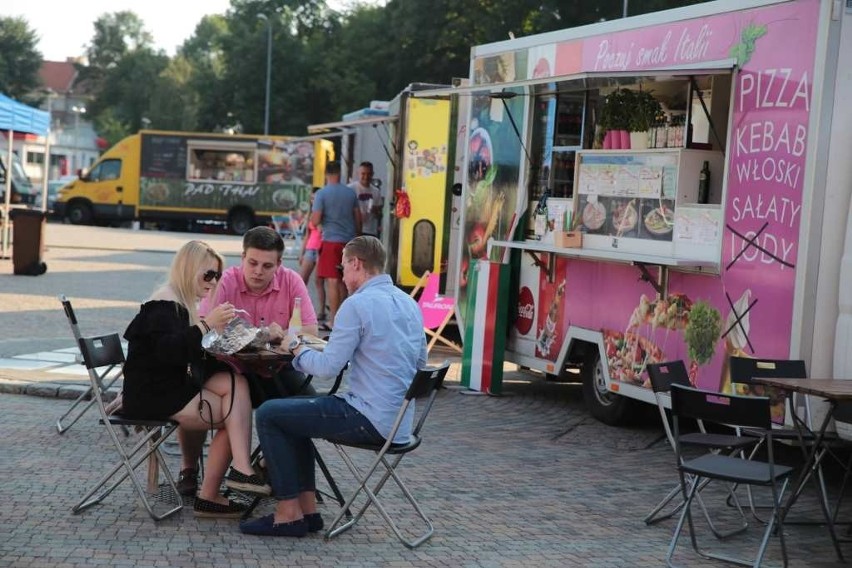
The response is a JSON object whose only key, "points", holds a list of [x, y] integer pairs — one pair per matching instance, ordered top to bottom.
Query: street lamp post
{"points": [[268, 69], [78, 160], [46, 165]]}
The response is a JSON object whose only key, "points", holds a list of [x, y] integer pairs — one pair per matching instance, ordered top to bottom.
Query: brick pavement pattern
{"points": [[527, 479]]}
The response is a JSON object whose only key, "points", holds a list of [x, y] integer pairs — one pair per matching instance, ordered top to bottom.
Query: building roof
{"points": [[58, 75]]}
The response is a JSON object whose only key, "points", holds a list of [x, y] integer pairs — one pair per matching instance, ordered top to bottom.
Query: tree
{"points": [[116, 35], [205, 52], [19, 60], [129, 87]]}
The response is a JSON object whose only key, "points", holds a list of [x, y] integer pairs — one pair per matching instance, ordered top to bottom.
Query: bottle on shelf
{"points": [[704, 183], [541, 216], [295, 325]]}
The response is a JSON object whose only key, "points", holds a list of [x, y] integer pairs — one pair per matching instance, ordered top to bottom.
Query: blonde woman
{"points": [[168, 375]]}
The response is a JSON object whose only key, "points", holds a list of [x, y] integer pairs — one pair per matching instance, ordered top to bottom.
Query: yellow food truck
{"points": [[178, 178]]}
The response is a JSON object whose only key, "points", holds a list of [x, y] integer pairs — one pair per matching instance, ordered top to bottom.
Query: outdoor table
{"points": [[263, 364], [832, 391]]}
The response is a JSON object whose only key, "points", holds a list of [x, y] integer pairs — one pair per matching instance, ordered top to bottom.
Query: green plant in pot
{"points": [[644, 113], [615, 118]]}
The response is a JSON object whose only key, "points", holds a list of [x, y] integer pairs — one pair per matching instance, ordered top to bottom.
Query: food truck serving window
{"points": [[630, 113], [223, 162]]}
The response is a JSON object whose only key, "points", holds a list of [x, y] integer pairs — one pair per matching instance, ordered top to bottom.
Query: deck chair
{"points": [[437, 310], [106, 351], [743, 371], [663, 376], [85, 401], [729, 410], [388, 455]]}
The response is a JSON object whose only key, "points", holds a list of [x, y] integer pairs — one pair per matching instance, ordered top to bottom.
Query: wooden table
{"points": [[834, 391]]}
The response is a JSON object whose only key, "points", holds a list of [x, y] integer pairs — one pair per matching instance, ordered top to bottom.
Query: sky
{"points": [[64, 28]]}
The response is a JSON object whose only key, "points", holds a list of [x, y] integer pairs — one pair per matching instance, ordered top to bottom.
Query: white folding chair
{"points": [[106, 351], [86, 399], [388, 455]]}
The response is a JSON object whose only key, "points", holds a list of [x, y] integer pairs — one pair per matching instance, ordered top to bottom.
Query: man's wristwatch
{"points": [[294, 345]]}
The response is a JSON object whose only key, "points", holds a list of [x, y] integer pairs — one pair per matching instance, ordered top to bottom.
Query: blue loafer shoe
{"points": [[314, 522], [266, 526]]}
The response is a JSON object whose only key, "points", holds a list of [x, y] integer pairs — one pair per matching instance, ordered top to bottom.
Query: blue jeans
{"points": [[285, 427]]}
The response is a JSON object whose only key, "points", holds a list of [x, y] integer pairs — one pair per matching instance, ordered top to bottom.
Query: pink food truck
{"points": [[668, 186]]}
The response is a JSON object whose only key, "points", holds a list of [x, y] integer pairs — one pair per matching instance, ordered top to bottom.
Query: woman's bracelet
{"points": [[204, 325]]}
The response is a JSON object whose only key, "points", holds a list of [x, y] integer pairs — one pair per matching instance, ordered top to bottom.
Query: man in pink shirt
{"points": [[263, 287], [266, 291]]}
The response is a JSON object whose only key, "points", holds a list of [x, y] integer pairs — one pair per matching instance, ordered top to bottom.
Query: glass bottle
{"points": [[704, 183], [295, 325]]}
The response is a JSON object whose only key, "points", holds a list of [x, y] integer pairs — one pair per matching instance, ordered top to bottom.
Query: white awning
{"points": [[588, 80], [347, 124]]}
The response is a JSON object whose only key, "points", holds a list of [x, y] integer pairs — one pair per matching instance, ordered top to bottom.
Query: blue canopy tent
{"points": [[17, 117]]}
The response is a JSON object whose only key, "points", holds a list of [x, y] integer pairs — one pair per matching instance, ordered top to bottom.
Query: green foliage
{"points": [[742, 51], [19, 59], [644, 111], [615, 113], [702, 331]]}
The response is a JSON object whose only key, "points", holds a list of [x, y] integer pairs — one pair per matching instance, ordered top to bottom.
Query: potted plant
{"points": [[644, 113], [615, 120]]}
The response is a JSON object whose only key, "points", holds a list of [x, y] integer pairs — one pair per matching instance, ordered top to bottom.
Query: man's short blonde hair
{"points": [[370, 250]]}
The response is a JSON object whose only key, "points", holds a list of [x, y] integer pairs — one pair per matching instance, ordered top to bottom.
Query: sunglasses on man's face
{"points": [[211, 274]]}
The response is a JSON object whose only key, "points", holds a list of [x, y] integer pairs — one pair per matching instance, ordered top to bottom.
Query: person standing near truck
{"points": [[369, 199], [336, 210], [308, 259]]}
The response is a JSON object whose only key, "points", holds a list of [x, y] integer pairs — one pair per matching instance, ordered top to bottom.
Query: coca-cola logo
{"points": [[526, 311]]}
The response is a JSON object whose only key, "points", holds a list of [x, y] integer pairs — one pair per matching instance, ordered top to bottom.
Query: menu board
{"points": [[163, 156], [627, 194]]}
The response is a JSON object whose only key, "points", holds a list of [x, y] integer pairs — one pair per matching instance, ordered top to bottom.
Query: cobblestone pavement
{"points": [[526, 479]]}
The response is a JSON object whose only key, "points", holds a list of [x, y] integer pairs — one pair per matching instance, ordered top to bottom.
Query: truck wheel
{"points": [[79, 213], [240, 221], [604, 405]]}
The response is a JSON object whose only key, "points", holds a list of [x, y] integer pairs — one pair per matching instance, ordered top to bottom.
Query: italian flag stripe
{"points": [[482, 364]]}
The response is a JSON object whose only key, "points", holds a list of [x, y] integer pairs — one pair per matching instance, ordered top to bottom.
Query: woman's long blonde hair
{"points": [[183, 275]]}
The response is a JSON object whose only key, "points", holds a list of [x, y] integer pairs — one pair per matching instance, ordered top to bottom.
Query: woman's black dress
{"points": [[162, 346]]}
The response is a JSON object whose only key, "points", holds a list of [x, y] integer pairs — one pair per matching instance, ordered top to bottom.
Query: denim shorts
{"points": [[311, 255]]}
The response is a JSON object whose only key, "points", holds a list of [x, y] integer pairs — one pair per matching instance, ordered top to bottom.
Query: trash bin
{"points": [[27, 242]]}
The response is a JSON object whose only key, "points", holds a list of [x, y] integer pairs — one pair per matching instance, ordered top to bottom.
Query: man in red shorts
{"points": [[336, 209]]}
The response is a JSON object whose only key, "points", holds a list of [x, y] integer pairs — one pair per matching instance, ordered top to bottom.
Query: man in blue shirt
{"points": [[336, 209], [379, 331]]}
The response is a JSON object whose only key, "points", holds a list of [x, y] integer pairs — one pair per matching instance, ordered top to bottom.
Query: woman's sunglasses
{"points": [[211, 274]]}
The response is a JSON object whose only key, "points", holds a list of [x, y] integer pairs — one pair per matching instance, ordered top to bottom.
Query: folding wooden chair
{"points": [[437, 310], [106, 351], [663, 376], [426, 382], [86, 399], [730, 410]]}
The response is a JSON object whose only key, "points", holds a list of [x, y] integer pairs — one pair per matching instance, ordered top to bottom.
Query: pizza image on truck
{"points": [[180, 177]]}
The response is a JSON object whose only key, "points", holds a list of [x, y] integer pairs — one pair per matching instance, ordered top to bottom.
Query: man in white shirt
{"points": [[370, 200]]}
